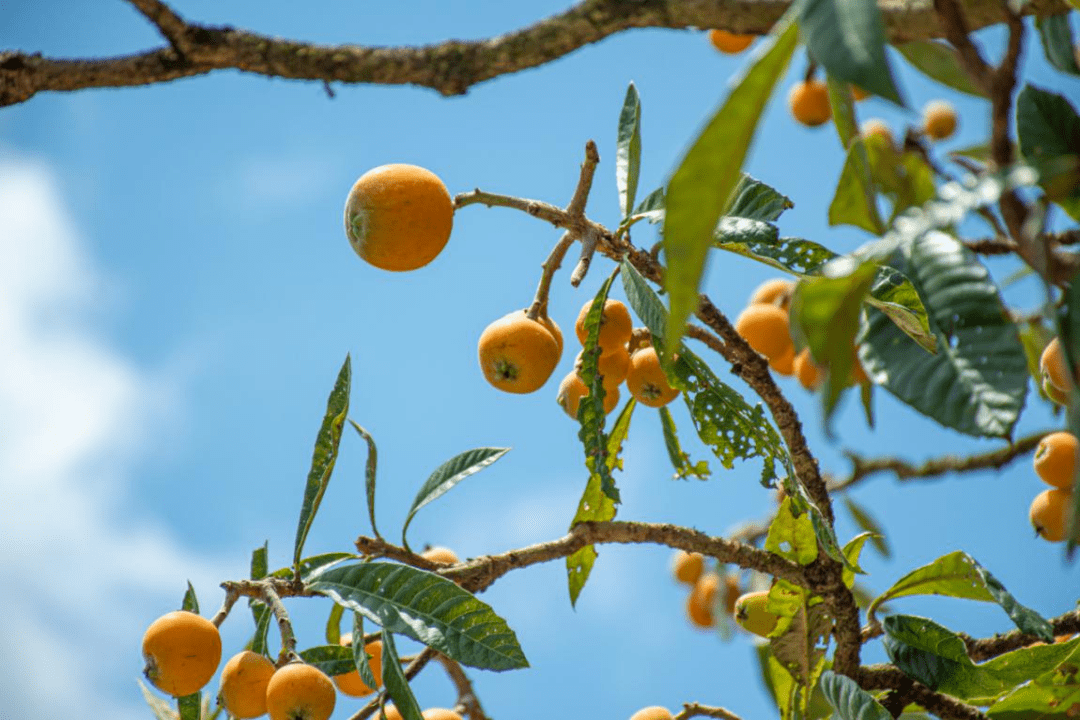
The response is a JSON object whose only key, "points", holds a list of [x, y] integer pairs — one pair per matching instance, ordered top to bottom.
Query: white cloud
{"points": [[80, 573]]}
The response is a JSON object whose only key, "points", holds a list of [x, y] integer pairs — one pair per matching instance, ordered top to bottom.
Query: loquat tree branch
{"points": [[451, 67], [270, 591], [984, 649], [887, 677], [467, 698], [694, 709]]}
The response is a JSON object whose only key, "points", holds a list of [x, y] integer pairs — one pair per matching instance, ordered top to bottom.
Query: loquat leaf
{"points": [[1057, 42], [942, 63], [628, 150], [680, 460], [370, 469], [190, 602], [331, 659], [397, 686], [849, 700], [190, 706]]}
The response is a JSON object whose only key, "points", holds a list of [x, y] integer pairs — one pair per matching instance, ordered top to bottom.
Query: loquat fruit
{"points": [[729, 42], [858, 94], [809, 103], [939, 120], [876, 127], [398, 217], [773, 292], [615, 325], [553, 328], [765, 328], [517, 354], [785, 364], [612, 366], [807, 371], [1055, 371], [646, 380], [573, 388], [1055, 459], [1048, 513], [441, 555], [687, 566], [732, 591], [701, 602], [751, 613], [182, 651], [351, 683], [243, 684], [299, 691], [389, 712], [653, 712], [440, 714]]}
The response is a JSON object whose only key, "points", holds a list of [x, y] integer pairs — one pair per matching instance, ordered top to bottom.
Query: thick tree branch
{"points": [[450, 68], [984, 649], [887, 677]]}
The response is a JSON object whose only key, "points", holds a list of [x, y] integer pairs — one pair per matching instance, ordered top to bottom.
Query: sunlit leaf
{"points": [[628, 150], [754, 200], [591, 413], [679, 459], [370, 469], [866, 521], [792, 536], [852, 551], [190, 602], [924, 650], [331, 659], [397, 686], [849, 700], [190, 706]]}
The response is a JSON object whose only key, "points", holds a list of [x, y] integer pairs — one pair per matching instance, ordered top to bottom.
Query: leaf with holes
{"points": [[680, 460]]}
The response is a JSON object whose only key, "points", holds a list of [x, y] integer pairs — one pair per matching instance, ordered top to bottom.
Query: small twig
{"points": [[171, 26], [957, 32], [536, 208], [576, 208], [588, 249], [543, 288], [702, 335], [267, 590], [231, 596], [984, 649], [466, 694], [693, 709]]}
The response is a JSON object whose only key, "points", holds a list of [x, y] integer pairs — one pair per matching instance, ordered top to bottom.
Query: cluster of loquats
{"points": [[1057, 455], [688, 568]]}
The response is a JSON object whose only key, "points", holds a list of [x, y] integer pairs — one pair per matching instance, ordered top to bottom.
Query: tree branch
{"points": [[450, 68], [887, 677]]}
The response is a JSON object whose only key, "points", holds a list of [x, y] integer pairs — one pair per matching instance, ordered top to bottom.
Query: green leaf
{"points": [[847, 37], [1057, 42], [942, 63], [842, 103], [1049, 132], [628, 150], [902, 177], [702, 185], [754, 200], [854, 201], [651, 209], [741, 230], [643, 300], [827, 310], [977, 381], [591, 412], [324, 457], [679, 459], [369, 473], [449, 474], [596, 506], [866, 521], [792, 536], [852, 551], [259, 561], [313, 564], [959, 575], [190, 602], [425, 607], [263, 616], [333, 625], [802, 633], [924, 650], [359, 652], [331, 659], [983, 684], [397, 686], [1047, 695], [849, 700], [190, 706], [161, 708]]}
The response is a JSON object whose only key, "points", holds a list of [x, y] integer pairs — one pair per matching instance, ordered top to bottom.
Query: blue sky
{"points": [[177, 294]]}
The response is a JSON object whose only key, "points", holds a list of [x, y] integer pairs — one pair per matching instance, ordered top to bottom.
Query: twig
{"points": [[171, 26], [576, 208], [588, 249], [543, 288], [270, 591], [984, 649], [466, 694], [693, 709]]}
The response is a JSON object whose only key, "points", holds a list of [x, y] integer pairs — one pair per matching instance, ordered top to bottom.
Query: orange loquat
{"points": [[729, 42], [809, 103], [939, 120], [773, 292], [765, 328], [517, 354], [646, 380], [573, 388], [1055, 459], [1048, 513], [687, 566], [701, 602], [182, 651], [351, 683], [243, 684], [299, 691], [653, 712]]}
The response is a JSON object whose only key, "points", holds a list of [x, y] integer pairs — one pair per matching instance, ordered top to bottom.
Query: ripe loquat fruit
{"points": [[729, 42], [809, 103], [939, 120], [876, 127], [398, 217], [773, 292], [615, 325], [765, 328], [517, 354], [785, 364], [612, 366], [807, 371], [1055, 372], [646, 380], [573, 388], [1055, 459], [1048, 513], [441, 555], [687, 566], [732, 592], [701, 602], [751, 613], [182, 651], [350, 683], [243, 684], [299, 691], [390, 712], [653, 712], [440, 714]]}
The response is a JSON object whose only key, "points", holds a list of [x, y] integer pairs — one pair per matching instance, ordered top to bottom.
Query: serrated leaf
{"points": [[847, 37], [1057, 42], [942, 63], [1048, 128], [628, 150], [703, 183], [754, 200], [742, 231], [977, 381], [591, 413], [324, 457], [679, 459], [370, 469], [449, 474], [596, 506], [866, 521], [792, 536], [852, 551], [959, 575], [190, 602], [425, 607], [924, 650], [359, 652], [331, 659], [397, 685], [849, 700], [190, 706], [161, 708]]}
